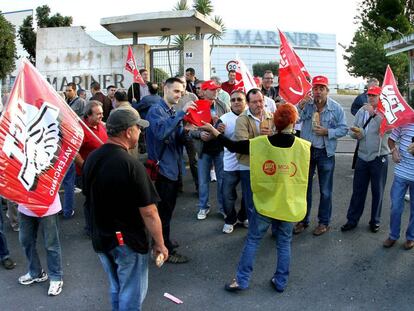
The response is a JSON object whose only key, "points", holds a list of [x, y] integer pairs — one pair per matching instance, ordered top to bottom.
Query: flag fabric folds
{"points": [[131, 66], [293, 76], [392, 105], [39, 138]]}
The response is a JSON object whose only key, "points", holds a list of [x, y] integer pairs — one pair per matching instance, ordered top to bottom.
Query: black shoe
{"points": [[348, 227], [374, 228], [8, 263], [233, 286], [278, 289]]}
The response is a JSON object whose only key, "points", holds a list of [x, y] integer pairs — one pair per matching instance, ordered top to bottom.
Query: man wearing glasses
{"points": [[267, 86]]}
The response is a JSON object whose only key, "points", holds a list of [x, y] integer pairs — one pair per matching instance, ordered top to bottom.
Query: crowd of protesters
{"points": [[249, 133]]}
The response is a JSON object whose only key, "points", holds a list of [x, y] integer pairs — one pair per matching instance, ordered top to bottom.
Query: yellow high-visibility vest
{"points": [[279, 178]]}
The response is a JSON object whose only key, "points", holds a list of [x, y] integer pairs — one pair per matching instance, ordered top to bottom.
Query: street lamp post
{"points": [[393, 30]]}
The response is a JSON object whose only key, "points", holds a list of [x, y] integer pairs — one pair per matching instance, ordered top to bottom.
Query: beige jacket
{"points": [[246, 129]]}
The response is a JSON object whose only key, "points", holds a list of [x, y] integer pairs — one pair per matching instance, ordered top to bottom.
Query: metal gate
{"points": [[165, 63]]}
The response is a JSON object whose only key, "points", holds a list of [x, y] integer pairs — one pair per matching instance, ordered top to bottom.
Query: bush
{"points": [[260, 68]]}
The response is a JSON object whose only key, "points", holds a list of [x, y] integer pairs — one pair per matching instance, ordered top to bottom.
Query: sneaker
{"points": [[213, 176], [77, 190], [407, 197], [202, 214], [245, 223], [15, 227], [228, 228], [8, 263], [27, 278], [55, 288]]}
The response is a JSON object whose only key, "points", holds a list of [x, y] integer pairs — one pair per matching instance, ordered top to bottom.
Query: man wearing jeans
{"points": [[323, 123], [231, 174], [113, 178], [403, 180]]}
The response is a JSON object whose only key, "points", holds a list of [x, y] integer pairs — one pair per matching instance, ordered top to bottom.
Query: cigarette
{"points": [[172, 298]]}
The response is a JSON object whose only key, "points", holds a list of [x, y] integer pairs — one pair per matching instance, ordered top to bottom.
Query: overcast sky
{"points": [[322, 16]]}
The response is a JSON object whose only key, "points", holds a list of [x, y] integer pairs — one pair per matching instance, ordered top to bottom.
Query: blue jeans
{"points": [[204, 164], [325, 166], [374, 172], [230, 181], [68, 183], [398, 190], [247, 192], [258, 225], [29, 227], [4, 251], [128, 277]]}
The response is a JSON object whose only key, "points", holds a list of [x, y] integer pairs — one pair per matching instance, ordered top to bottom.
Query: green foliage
{"points": [[205, 7], [27, 34], [7, 47], [366, 55], [260, 68], [159, 75]]}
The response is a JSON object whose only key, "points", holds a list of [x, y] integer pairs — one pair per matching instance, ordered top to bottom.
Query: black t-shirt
{"points": [[116, 185]]}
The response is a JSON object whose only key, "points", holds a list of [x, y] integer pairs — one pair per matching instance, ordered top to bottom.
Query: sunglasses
{"points": [[372, 95], [236, 99]]}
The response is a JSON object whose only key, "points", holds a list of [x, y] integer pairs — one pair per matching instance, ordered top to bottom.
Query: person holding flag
{"points": [[324, 122], [371, 164]]}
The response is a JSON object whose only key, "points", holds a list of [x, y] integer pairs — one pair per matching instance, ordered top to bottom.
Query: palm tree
{"points": [[179, 6], [205, 7], [217, 36]]}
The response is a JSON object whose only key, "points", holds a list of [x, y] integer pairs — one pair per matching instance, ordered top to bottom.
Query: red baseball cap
{"points": [[320, 80], [209, 85], [374, 90]]}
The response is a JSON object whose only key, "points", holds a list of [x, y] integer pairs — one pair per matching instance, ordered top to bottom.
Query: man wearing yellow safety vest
{"points": [[279, 168]]}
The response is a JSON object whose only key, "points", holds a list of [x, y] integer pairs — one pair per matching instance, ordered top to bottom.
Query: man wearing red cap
{"points": [[323, 123], [209, 152], [371, 164]]}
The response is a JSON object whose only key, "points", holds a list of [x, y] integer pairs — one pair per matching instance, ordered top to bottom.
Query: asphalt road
{"points": [[337, 271]]}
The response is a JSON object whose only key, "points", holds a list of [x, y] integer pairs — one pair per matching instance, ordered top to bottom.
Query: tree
{"points": [[27, 34], [7, 47], [366, 55], [260, 68]]}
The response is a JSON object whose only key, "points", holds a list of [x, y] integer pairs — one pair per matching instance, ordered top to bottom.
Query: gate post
{"points": [[196, 54]]}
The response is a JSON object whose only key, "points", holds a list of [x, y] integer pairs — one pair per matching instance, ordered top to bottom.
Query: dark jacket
{"points": [[137, 92], [272, 92], [358, 102], [106, 104]]}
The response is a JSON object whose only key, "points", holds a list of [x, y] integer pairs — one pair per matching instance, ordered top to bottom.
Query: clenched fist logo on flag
{"points": [[39, 138]]}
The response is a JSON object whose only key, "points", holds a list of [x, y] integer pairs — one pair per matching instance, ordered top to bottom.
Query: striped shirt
{"points": [[403, 135]]}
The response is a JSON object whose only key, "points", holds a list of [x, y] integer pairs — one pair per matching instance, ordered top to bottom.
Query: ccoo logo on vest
{"points": [[270, 168]]}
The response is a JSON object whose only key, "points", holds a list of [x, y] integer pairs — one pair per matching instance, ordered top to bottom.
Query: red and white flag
{"points": [[131, 66], [246, 79], [293, 85], [392, 105], [39, 138]]}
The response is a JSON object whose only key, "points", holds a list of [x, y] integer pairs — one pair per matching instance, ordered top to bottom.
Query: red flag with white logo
{"points": [[131, 66], [293, 85], [392, 105], [39, 138]]}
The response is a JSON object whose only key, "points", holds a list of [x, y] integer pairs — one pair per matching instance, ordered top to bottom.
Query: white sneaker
{"points": [[213, 176], [77, 190], [407, 197], [202, 214], [244, 223], [228, 228], [27, 278], [55, 288]]}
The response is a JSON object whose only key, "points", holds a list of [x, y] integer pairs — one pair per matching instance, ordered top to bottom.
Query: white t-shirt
{"points": [[269, 105], [229, 159], [54, 208]]}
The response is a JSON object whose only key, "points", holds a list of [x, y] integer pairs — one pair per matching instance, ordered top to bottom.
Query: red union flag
{"points": [[131, 66], [246, 79], [293, 85], [392, 105], [39, 137]]}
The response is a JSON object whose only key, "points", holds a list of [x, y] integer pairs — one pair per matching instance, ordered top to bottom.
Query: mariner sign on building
{"points": [[271, 38]]}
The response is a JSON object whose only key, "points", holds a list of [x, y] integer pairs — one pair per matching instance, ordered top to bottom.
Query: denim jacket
{"points": [[332, 117], [165, 128]]}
